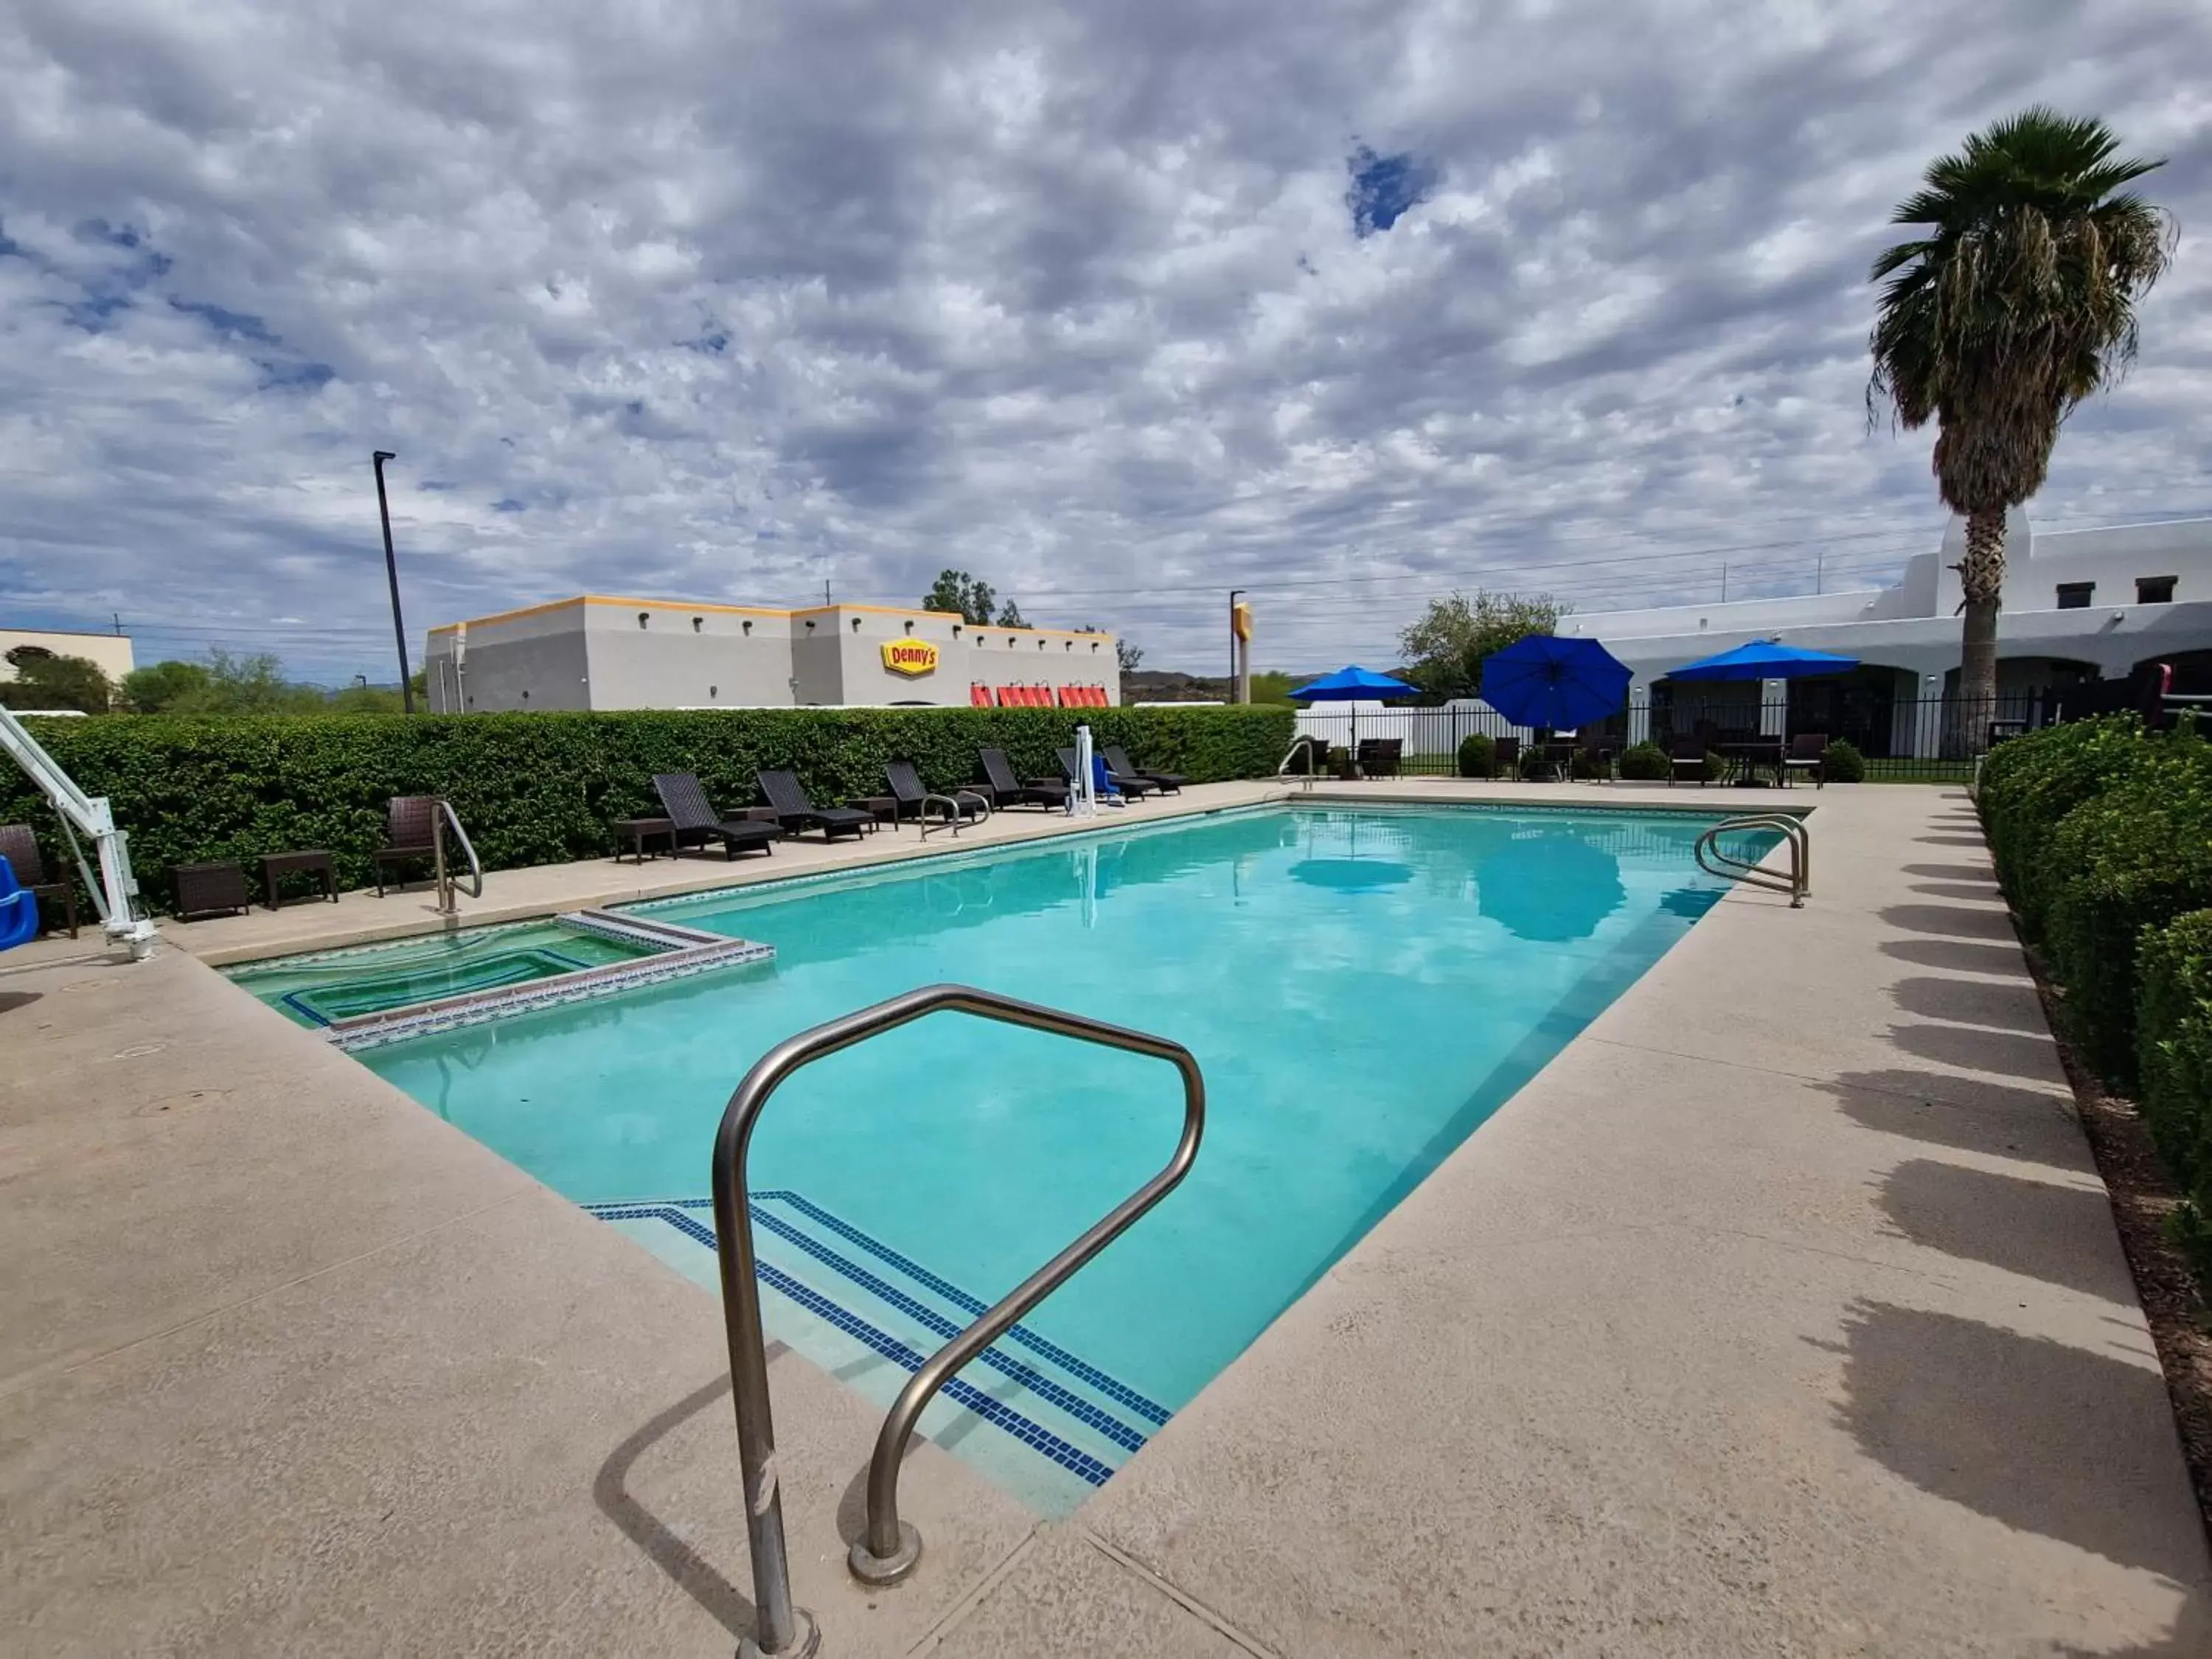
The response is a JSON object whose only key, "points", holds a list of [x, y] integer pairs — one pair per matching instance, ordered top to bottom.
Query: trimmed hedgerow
{"points": [[2029, 785], [547, 789], [2135, 856], [2173, 1049]]}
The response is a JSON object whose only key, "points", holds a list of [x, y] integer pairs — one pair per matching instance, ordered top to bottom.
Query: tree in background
{"points": [[2019, 303], [965, 596], [1010, 616], [1445, 648], [1129, 658], [45, 680], [248, 685], [1273, 687], [156, 689]]}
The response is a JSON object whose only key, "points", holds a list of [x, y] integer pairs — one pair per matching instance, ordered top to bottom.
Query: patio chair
{"points": [[1808, 752], [1507, 753], [1685, 753], [1379, 757], [1168, 783], [1134, 788], [1007, 790], [914, 800], [796, 813], [691, 821], [411, 835], [19, 847]]}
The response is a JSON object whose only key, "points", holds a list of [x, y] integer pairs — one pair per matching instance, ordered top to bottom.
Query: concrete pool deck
{"points": [[1783, 1313]]}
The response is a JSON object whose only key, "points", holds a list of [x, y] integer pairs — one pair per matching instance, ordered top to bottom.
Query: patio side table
{"points": [[638, 831], [275, 867], [209, 889]]}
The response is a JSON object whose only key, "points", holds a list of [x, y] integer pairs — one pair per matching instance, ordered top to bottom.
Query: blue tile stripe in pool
{"points": [[1081, 1369], [1037, 1438]]}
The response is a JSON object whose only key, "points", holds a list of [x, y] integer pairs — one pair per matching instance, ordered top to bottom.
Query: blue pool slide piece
{"points": [[19, 910]]}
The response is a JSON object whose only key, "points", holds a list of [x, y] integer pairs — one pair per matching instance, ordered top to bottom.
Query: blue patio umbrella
{"points": [[1766, 660], [1353, 684], [1554, 685]]}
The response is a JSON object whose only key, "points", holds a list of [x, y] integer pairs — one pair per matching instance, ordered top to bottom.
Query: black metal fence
{"points": [[1907, 739]]}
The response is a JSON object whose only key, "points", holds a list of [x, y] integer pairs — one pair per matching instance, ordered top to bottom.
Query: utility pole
{"points": [[1818, 556], [391, 573], [1723, 583], [118, 615]]}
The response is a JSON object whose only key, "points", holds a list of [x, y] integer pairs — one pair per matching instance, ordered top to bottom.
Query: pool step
{"points": [[1039, 1419]]}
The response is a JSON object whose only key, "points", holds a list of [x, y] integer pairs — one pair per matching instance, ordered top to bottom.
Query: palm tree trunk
{"points": [[1981, 576]]}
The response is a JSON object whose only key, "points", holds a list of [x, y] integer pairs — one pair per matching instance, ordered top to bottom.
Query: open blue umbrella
{"points": [[1766, 660], [1353, 684], [1554, 685]]}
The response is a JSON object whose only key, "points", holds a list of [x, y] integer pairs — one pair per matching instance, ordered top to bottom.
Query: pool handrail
{"points": [[1313, 762], [443, 815], [1794, 832], [888, 1548]]}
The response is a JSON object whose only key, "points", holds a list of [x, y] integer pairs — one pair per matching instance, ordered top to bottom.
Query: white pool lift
{"points": [[115, 890]]}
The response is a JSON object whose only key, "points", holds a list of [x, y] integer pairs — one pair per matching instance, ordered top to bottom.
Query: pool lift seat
{"points": [[114, 889]]}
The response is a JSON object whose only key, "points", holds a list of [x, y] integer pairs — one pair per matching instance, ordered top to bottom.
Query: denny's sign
{"points": [[909, 657]]}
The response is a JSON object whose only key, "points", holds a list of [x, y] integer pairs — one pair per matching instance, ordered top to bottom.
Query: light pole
{"points": [[392, 571], [1235, 594]]}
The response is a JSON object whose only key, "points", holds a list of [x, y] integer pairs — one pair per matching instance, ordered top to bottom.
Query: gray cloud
{"points": [[723, 301]]}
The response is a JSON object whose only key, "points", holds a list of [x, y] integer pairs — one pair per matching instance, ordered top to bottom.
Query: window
{"points": [[2153, 589], [2075, 596]]}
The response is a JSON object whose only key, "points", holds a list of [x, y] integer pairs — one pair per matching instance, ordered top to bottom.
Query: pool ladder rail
{"points": [[1313, 761], [444, 818], [1715, 862], [889, 1548]]}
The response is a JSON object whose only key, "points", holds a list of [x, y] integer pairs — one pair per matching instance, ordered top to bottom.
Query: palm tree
{"points": [[2018, 303]]}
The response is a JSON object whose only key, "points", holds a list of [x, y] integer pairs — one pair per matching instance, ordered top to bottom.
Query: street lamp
{"points": [[392, 571]]}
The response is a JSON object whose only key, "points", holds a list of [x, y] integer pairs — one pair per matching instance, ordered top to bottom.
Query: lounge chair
{"points": [[1808, 752], [1507, 753], [1687, 754], [1379, 757], [1168, 783], [1134, 788], [907, 790], [1007, 790], [797, 813], [692, 822], [410, 834], [19, 847]]}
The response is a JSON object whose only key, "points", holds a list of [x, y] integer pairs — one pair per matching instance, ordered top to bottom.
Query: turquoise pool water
{"points": [[1362, 988], [317, 990]]}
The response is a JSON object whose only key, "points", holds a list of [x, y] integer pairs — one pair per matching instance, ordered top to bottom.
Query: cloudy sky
{"points": [[1117, 304]]}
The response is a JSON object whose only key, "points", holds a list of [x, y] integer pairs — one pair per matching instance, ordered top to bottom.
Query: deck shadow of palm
{"points": [[1984, 922], [1961, 956], [1971, 1002], [2031, 1055], [1972, 1114], [2061, 1235], [2037, 1434]]}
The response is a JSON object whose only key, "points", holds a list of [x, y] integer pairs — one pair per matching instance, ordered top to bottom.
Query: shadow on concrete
{"points": [[1950, 840], [1974, 872], [1984, 890], [1950, 921], [1959, 956], [10, 1001], [1971, 1002], [2014, 1053], [1971, 1113], [2061, 1235], [2034, 1434], [853, 1501], [692, 1572]]}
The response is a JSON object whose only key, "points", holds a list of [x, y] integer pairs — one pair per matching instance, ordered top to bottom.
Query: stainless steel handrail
{"points": [[1313, 763], [951, 804], [1800, 840], [446, 882], [889, 1548]]}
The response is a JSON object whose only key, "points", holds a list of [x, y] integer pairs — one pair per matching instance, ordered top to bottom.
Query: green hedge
{"points": [[1478, 755], [1842, 762], [1646, 763], [2028, 786], [546, 788], [2135, 856], [2174, 1049]]}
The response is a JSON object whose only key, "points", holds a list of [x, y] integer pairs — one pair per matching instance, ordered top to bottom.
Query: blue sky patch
{"points": [[1384, 188]]}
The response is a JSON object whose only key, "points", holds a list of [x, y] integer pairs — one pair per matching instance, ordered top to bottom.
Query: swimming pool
{"points": [[1362, 987]]}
